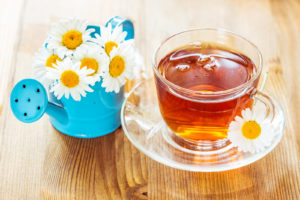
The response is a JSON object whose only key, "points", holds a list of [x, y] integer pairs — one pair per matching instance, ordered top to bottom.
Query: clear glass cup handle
{"points": [[264, 80], [258, 95], [267, 101]]}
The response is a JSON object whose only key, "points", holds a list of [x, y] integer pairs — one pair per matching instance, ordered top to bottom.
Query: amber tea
{"points": [[203, 69]]}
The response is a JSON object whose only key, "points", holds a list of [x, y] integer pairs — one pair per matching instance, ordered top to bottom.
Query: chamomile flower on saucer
{"points": [[67, 35], [111, 38], [92, 57], [43, 60], [120, 67], [70, 79], [252, 132]]}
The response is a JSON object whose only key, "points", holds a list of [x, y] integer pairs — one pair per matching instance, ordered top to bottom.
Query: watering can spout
{"points": [[29, 102], [57, 112]]}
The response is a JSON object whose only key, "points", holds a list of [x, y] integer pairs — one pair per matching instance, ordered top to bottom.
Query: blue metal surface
{"points": [[126, 23], [96, 28], [28, 100], [95, 115]]}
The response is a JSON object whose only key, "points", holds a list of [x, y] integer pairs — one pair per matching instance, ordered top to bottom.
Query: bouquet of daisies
{"points": [[72, 61]]}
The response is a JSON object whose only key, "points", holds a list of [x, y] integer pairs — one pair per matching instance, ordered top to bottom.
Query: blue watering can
{"points": [[95, 115]]}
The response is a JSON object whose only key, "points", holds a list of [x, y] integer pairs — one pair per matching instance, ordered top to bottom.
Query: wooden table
{"points": [[37, 162]]}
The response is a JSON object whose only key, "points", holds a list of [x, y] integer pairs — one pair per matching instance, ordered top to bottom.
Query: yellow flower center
{"points": [[72, 39], [109, 46], [52, 60], [90, 63], [116, 66], [69, 78], [251, 129]]}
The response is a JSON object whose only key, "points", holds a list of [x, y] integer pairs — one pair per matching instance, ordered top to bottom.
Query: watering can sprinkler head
{"points": [[29, 102]]}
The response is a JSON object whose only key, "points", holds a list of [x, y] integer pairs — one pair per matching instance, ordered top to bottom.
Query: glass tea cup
{"points": [[199, 118]]}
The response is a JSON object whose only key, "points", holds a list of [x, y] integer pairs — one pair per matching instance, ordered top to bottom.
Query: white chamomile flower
{"points": [[67, 35], [111, 38], [92, 57], [43, 60], [121, 65], [70, 79], [252, 132]]}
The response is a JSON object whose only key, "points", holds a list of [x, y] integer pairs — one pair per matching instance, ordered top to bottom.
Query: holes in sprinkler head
{"points": [[24, 86], [38, 90], [28, 99], [16, 100], [38, 107], [25, 114], [145, 193]]}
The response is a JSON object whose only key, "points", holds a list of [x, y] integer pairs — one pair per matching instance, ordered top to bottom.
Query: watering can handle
{"points": [[116, 21], [126, 23]]}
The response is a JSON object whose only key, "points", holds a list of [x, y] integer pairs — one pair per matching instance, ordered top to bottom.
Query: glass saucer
{"points": [[145, 128]]}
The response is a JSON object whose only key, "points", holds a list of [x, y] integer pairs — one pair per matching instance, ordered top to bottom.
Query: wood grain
{"points": [[37, 162]]}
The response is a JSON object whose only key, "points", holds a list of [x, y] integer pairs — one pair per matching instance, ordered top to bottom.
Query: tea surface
{"points": [[206, 67]]}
